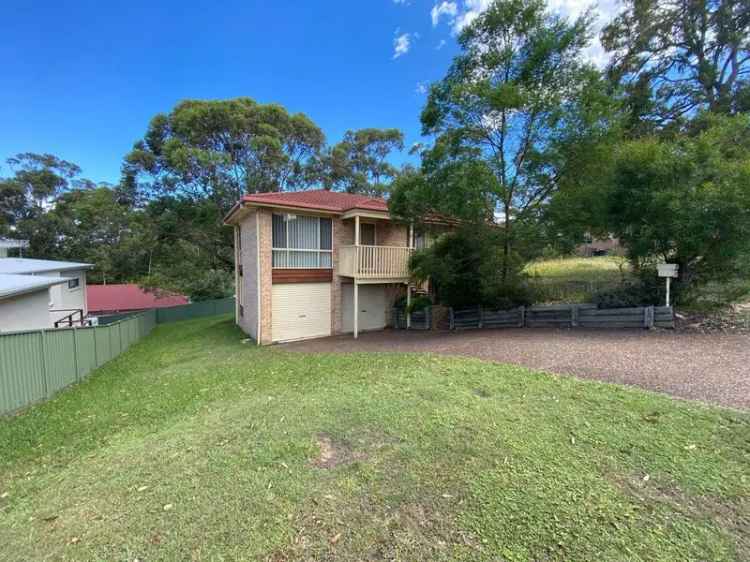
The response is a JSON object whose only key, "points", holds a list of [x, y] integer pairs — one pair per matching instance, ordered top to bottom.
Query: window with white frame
{"points": [[301, 241], [74, 283]]}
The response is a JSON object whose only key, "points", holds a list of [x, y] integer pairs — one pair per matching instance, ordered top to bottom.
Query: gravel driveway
{"points": [[711, 368]]}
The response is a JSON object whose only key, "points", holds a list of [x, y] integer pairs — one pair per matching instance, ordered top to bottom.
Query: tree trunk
{"points": [[506, 251]]}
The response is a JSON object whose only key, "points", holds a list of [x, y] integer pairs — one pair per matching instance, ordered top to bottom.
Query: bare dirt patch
{"points": [[334, 453]]}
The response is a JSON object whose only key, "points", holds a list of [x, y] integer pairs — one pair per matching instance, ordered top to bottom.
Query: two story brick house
{"points": [[306, 261]]}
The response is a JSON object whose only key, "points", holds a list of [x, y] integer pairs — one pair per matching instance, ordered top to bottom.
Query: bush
{"points": [[465, 267], [643, 292], [507, 296], [418, 303]]}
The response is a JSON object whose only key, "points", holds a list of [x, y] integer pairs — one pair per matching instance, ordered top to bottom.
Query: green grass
{"points": [[604, 268], [574, 279], [195, 446]]}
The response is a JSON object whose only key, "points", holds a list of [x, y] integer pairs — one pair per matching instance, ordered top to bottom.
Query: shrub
{"points": [[465, 267], [648, 290], [507, 296], [418, 303]]}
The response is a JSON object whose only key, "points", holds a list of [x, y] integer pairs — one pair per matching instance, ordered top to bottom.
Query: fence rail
{"points": [[563, 316], [35, 365]]}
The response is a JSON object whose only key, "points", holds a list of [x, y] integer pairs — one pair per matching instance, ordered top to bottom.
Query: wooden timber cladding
{"points": [[297, 275]]}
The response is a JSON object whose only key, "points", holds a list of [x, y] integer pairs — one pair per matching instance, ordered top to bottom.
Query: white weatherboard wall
{"points": [[64, 299], [372, 305], [29, 311], [300, 311]]}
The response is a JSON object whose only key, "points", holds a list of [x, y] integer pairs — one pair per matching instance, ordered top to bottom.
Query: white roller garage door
{"points": [[371, 307], [300, 310]]}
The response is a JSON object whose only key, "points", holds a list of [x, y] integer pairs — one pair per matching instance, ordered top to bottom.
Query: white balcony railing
{"points": [[374, 262]]}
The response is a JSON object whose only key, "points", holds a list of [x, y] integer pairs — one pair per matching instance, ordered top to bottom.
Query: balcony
{"points": [[374, 263]]}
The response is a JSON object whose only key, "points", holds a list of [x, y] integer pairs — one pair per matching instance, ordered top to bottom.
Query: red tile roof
{"points": [[319, 199], [125, 297]]}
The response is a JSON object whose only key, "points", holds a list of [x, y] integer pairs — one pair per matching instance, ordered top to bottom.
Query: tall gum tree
{"points": [[676, 58], [511, 117], [222, 149]]}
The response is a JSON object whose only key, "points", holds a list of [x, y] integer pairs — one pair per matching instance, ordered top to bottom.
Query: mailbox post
{"points": [[668, 270]]}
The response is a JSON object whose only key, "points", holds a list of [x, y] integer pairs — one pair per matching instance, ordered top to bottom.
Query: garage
{"points": [[372, 305], [300, 310]]}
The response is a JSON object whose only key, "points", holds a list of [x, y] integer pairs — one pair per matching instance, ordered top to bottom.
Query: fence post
{"points": [[481, 316], [574, 316], [648, 317], [522, 321], [43, 337], [75, 352], [96, 352]]}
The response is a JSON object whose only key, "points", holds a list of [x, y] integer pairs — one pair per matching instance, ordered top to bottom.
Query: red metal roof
{"points": [[322, 199], [121, 298]]}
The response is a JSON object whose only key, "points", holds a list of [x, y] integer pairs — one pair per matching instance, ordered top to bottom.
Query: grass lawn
{"points": [[594, 269], [575, 279], [195, 446]]}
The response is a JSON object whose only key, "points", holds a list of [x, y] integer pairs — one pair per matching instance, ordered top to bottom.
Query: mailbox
{"points": [[667, 269]]}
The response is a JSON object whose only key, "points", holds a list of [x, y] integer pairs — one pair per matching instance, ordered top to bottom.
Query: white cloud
{"points": [[401, 2], [445, 8], [604, 11], [470, 12], [402, 43], [440, 45], [422, 88]]}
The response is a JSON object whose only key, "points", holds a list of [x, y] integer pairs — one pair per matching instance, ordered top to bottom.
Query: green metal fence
{"points": [[195, 310], [35, 365]]}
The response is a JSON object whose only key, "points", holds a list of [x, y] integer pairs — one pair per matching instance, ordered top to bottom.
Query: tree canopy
{"points": [[677, 57], [516, 109], [223, 149], [358, 164], [37, 179], [685, 201]]}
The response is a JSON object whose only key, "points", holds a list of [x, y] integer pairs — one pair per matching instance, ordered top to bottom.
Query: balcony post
{"points": [[356, 256], [356, 309]]}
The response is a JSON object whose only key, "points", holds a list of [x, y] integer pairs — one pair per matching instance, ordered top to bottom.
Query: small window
{"points": [[74, 283]]}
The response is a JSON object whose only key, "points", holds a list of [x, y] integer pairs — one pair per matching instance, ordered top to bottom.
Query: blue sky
{"points": [[82, 79]]}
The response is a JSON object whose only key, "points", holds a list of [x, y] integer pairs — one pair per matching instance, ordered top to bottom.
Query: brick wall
{"points": [[256, 232], [392, 234], [343, 235], [266, 271], [247, 294]]}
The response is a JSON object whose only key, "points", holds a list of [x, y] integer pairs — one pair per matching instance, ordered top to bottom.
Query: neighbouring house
{"points": [[7, 244], [599, 247], [315, 263], [39, 294], [128, 297], [24, 302]]}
